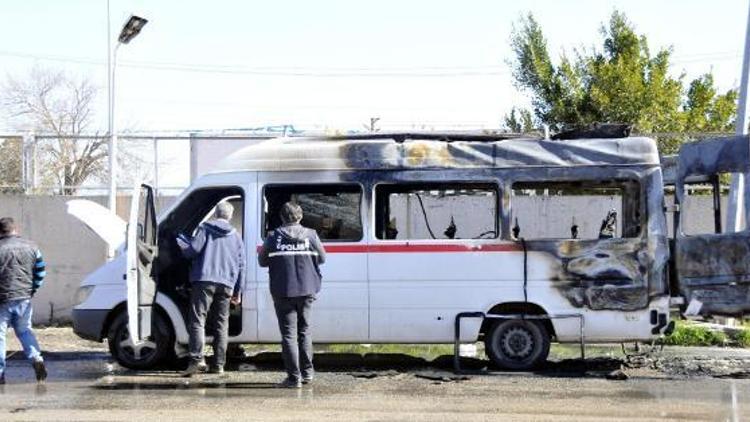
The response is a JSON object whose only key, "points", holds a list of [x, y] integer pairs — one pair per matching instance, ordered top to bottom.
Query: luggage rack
{"points": [[457, 330]]}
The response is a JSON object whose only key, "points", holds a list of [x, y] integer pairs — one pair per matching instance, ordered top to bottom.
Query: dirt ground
{"points": [[676, 383]]}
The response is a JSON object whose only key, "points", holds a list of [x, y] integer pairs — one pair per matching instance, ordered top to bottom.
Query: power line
{"points": [[434, 71], [331, 72]]}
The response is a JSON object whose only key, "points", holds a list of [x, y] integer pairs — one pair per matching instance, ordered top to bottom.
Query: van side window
{"points": [[333, 210], [576, 210], [701, 210], [437, 211]]}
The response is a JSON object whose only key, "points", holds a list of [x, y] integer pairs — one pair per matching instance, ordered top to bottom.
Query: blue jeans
{"points": [[17, 313]]}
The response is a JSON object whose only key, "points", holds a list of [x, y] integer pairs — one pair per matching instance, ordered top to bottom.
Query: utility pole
{"points": [[736, 206]]}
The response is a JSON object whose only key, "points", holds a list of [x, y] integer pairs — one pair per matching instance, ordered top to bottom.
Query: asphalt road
{"points": [[84, 385]]}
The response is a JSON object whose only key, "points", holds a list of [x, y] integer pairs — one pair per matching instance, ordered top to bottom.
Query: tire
{"points": [[517, 344], [155, 350]]}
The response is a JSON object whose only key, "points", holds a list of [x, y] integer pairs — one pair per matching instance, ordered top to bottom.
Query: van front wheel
{"points": [[517, 344], [147, 354]]}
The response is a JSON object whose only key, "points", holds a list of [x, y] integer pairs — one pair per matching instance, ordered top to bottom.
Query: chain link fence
{"points": [[54, 165]]}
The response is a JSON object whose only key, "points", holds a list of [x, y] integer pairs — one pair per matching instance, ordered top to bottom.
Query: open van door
{"points": [[141, 253], [712, 268]]}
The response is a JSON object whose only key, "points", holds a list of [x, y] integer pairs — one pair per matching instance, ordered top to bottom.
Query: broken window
{"points": [[704, 204], [333, 210], [563, 210], [437, 211]]}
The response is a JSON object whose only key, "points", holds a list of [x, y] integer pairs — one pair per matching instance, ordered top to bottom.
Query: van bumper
{"points": [[89, 323]]}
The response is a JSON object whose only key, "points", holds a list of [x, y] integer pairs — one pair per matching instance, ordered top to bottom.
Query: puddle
{"points": [[202, 385]]}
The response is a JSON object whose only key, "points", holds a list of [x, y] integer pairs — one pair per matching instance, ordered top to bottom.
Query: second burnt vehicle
{"points": [[420, 227]]}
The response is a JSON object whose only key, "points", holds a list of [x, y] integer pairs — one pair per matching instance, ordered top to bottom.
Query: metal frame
{"points": [[461, 315]]}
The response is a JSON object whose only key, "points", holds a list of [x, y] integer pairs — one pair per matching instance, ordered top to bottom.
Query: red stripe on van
{"points": [[419, 247]]}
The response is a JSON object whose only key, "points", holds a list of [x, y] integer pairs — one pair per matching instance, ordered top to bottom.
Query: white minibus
{"points": [[420, 227]]}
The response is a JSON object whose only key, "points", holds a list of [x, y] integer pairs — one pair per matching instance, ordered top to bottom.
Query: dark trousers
{"points": [[209, 299], [294, 315]]}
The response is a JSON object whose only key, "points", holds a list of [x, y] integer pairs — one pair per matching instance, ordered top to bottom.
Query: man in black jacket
{"points": [[293, 255], [22, 271]]}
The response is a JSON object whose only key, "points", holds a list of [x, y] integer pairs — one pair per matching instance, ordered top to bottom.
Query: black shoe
{"points": [[193, 368], [216, 369], [40, 370], [290, 383]]}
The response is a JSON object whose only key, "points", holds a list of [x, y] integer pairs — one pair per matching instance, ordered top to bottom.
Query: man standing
{"points": [[293, 254], [22, 272], [216, 275]]}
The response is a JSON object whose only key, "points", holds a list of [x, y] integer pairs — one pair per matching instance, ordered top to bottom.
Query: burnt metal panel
{"points": [[298, 154], [716, 155], [713, 269]]}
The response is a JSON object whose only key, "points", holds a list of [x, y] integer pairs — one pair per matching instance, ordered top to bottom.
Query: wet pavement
{"points": [[84, 385]]}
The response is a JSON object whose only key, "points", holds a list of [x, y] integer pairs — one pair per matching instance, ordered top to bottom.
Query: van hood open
{"points": [[108, 226]]}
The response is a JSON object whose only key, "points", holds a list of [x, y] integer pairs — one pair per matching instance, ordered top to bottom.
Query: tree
{"points": [[622, 82], [52, 102], [519, 121], [10, 165]]}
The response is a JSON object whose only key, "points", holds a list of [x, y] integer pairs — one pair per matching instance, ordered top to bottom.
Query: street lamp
{"points": [[132, 28], [129, 31]]}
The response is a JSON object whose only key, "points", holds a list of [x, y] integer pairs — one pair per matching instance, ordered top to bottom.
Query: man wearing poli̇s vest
{"points": [[293, 255]]}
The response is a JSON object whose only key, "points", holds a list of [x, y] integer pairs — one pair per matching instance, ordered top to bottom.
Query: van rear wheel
{"points": [[517, 344], [146, 355]]}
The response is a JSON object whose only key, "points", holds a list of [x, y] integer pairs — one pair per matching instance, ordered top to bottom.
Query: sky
{"points": [[332, 65]]}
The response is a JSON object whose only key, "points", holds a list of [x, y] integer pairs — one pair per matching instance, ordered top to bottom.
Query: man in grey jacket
{"points": [[293, 255], [22, 271], [217, 279]]}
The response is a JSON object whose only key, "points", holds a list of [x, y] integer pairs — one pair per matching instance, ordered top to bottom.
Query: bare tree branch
{"points": [[50, 101]]}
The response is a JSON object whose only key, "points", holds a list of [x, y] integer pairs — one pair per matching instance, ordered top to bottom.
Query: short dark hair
{"points": [[290, 213], [7, 226]]}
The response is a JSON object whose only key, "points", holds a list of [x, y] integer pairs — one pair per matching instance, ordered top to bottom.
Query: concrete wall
{"points": [[72, 251]]}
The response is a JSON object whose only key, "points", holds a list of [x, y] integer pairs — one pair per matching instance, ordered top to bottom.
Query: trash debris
{"points": [[468, 350], [246, 367], [373, 374], [617, 375], [441, 376]]}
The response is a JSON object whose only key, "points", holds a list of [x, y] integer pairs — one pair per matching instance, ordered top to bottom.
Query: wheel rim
{"points": [[517, 343], [135, 352]]}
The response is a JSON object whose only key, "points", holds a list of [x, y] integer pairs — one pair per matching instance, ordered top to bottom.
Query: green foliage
{"points": [[622, 82], [519, 121], [686, 334], [742, 337], [426, 351]]}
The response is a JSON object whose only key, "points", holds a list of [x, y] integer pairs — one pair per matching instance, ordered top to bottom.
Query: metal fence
{"points": [[45, 164], [78, 165]]}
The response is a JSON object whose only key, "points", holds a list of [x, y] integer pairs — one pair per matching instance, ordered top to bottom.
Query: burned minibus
{"points": [[547, 241]]}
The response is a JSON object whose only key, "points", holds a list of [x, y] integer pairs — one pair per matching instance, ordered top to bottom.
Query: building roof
{"points": [[436, 151]]}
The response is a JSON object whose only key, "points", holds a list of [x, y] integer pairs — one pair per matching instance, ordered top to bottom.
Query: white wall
{"points": [[69, 248]]}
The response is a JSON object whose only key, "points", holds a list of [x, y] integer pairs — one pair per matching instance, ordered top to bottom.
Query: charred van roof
{"points": [[384, 151]]}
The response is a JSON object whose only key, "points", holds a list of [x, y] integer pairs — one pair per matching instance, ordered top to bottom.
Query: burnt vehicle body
{"points": [[420, 227], [711, 267]]}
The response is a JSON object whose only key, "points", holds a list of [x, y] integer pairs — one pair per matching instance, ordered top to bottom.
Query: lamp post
{"points": [[129, 31], [737, 201]]}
